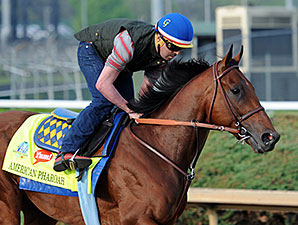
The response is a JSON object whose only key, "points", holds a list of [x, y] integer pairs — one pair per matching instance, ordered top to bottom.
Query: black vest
{"points": [[142, 34]]}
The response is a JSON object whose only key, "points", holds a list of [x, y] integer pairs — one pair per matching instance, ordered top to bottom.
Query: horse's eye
{"points": [[235, 91]]}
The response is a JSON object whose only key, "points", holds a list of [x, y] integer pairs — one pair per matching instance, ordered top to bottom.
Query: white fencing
{"points": [[43, 104], [75, 104], [213, 199]]}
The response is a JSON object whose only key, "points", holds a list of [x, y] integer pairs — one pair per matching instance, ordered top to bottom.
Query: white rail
{"points": [[43, 104], [75, 104], [280, 105], [265, 200]]}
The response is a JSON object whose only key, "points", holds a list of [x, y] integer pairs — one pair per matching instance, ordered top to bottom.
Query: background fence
{"points": [[47, 69], [80, 104], [265, 200]]}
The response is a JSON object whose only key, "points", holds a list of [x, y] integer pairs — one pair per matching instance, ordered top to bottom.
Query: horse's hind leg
{"points": [[33, 216]]}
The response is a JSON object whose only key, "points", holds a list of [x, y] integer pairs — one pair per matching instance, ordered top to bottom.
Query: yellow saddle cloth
{"points": [[24, 158]]}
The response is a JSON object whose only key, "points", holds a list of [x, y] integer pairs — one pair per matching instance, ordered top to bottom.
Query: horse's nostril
{"points": [[267, 138]]}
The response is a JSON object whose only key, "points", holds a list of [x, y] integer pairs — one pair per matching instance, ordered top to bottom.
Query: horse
{"points": [[148, 187]]}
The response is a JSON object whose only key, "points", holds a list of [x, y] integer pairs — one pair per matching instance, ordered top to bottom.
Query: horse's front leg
{"points": [[146, 220]]}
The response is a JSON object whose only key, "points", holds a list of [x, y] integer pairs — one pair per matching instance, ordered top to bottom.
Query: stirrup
{"points": [[72, 163], [62, 164]]}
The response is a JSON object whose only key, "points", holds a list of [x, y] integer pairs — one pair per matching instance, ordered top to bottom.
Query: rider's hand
{"points": [[131, 113], [134, 115]]}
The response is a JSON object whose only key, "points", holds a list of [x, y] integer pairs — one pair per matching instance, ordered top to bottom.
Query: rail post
{"points": [[212, 216]]}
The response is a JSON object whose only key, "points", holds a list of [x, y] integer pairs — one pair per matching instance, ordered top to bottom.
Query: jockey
{"points": [[108, 54]]}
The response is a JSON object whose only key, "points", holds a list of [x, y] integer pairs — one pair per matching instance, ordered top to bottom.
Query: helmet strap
{"points": [[158, 43]]}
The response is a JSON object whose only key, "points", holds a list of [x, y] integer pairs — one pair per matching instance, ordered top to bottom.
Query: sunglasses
{"points": [[170, 45]]}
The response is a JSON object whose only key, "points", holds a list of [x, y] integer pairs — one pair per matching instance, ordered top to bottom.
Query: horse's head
{"points": [[235, 104]]}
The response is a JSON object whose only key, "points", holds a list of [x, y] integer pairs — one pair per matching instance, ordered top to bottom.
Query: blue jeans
{"points": [[89, 118]]}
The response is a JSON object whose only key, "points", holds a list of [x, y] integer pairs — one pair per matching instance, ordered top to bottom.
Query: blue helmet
{"points": [[177, 29]]}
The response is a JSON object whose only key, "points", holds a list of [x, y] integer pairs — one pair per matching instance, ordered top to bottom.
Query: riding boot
{"points": [[71, 161]]}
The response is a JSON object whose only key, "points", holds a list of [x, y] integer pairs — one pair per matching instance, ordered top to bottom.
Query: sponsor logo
{"points": [[23, 147], [42, 156]]}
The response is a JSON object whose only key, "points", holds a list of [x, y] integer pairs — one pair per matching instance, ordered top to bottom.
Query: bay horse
{"points": [[138, 186]]}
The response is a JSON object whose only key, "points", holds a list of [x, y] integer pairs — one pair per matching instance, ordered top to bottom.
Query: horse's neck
{"points": [[189, 103]]}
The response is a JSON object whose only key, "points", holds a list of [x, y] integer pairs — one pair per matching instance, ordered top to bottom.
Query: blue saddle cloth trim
{"points": [[65, 114], [99, 167], [27, 184], [31, 185]]}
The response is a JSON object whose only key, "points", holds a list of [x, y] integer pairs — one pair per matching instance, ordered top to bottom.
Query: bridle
{"points": [[240, 130], [242, 134]]}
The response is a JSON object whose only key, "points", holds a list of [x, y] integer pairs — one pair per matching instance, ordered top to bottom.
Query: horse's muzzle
{"points": [[265, 142]]}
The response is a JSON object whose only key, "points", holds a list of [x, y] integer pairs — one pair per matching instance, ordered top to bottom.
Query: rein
{"points": [[166, 122], [240, 131]]}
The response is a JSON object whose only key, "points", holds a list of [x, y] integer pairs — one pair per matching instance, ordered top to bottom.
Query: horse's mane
{"points": [[172, 79]]}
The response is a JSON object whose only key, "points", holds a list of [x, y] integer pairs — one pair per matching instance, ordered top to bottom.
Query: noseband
{"points": [[243, 134]]}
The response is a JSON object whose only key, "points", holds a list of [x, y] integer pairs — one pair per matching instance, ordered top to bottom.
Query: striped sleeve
{"points": [[122, 51]]}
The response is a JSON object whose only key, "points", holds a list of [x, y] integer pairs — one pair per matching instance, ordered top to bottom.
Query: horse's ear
{"points": [[238, 57], [225, 61]]}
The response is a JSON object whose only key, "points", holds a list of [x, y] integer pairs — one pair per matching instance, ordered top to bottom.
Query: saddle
{"points": [[50, 132]]}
